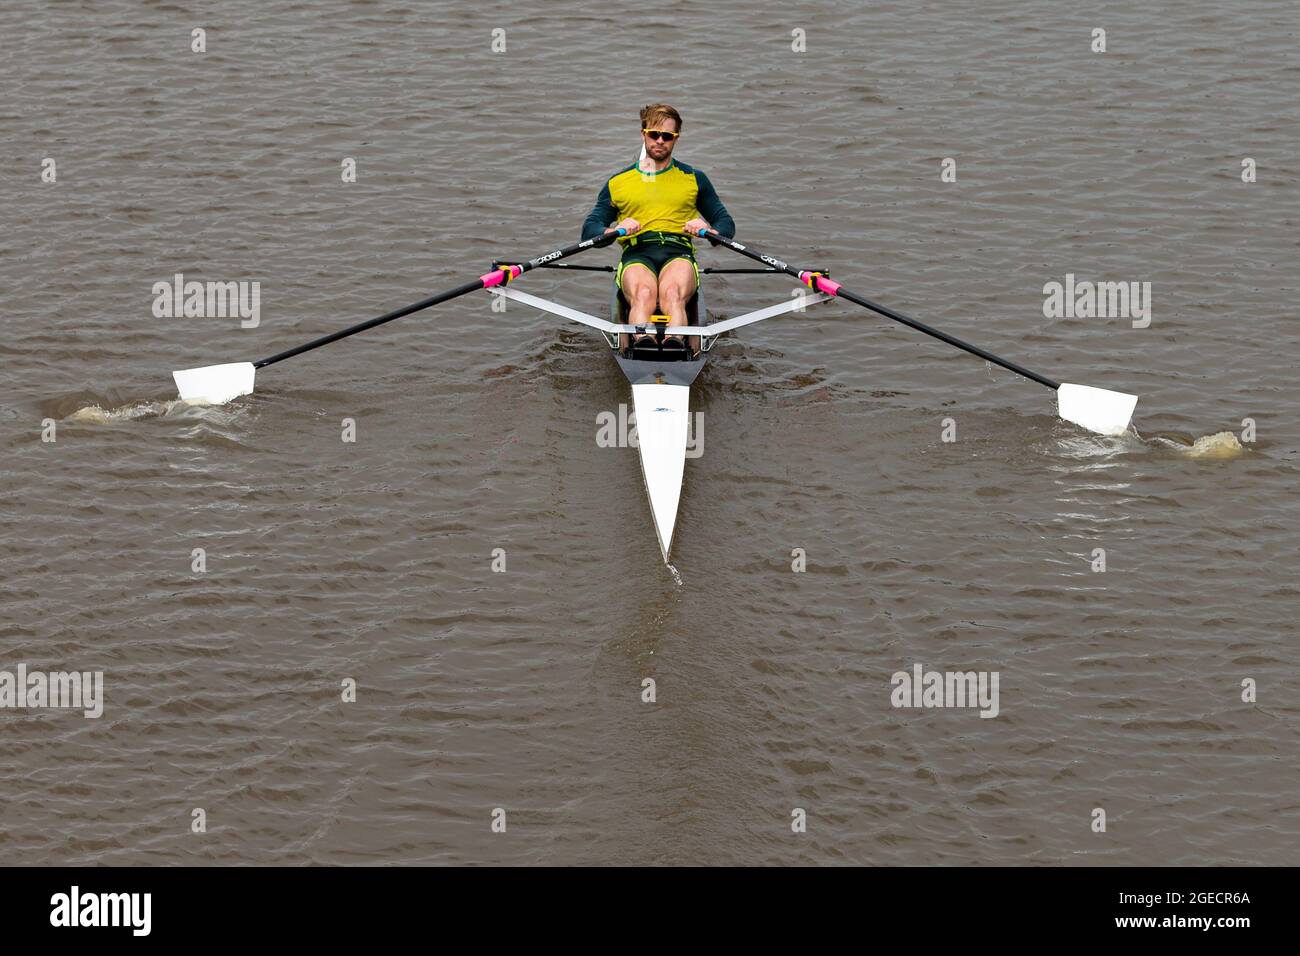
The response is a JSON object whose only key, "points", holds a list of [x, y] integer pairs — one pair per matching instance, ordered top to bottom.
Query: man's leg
{"points": [[676, 286], [641, 290]]}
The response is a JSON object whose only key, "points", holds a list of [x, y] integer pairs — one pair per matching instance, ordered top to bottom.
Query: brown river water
{"points": [[1161, 690]]}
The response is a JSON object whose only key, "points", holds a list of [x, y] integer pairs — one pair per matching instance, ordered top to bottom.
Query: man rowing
{"points": [[661, 203]]}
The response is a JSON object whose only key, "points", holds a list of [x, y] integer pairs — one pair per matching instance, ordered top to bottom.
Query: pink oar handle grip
{"points": [[499, 276], [819, 282]]}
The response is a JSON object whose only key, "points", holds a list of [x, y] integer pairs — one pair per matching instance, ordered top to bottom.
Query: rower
{"points": [[661, 203]]}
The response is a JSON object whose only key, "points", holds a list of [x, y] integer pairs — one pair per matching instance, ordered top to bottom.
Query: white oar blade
{"points": [[215, 384], [1096, 409]]}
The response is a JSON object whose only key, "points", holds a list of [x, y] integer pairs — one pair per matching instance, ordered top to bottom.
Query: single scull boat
{"points": [[661, 367]]}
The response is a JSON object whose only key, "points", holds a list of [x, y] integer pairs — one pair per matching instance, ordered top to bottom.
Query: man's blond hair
{"points": [[656, 113]]}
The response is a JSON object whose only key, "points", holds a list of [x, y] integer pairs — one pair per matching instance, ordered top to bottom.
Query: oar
{"points": [[216, 384], [1096, 409]]}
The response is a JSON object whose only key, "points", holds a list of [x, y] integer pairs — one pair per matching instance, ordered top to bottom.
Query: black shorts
{"points": [[654, 250]]}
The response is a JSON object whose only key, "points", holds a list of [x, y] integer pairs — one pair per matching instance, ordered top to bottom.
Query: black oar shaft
{"points": [[495, 277], [814, 280], [450, 294], [945, 337]]}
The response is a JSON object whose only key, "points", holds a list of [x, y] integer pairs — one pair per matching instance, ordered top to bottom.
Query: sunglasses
{"points": [[661, 134]]}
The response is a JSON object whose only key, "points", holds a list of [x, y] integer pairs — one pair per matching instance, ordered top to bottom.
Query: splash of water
{"points": [[98, 415], [1218, 445]]}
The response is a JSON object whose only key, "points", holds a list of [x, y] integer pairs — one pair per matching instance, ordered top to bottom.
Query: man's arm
{"points": [[710, 207], [601, 215]]}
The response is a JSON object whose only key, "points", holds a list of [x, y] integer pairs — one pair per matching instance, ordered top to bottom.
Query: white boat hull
{"points": [[662, 425]]}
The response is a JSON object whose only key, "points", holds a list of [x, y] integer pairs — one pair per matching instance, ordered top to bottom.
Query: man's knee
{"points": [[642, 293], [671, 295]]}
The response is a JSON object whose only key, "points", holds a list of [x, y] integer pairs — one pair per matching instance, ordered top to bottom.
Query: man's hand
{"points": [[630, 225], [695, 225]]}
